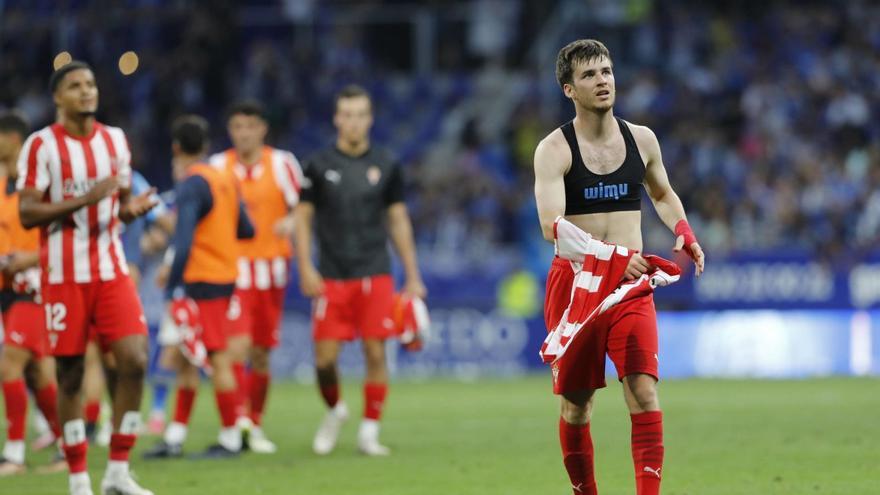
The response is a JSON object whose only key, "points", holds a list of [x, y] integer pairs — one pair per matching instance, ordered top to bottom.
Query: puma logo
{"points": [[655, 472], [578, 487]]}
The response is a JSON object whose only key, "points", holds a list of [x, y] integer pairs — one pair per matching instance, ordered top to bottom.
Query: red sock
{"points": [[241, 381], [259, 389], [330, 393], [15, 396], [185, 399], [374, 399], [47, 401], [227, 403], [92, 411], [120, 446], [647, 451], [577, 455], [76, 457]]}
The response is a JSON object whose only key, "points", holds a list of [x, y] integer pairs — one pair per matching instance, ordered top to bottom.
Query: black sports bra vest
{"points": [[621, 190]]}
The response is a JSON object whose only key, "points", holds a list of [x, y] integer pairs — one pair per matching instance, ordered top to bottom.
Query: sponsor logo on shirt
{"points": [[606, 191]]}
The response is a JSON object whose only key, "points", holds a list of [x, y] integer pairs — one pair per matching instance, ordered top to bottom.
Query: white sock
{"points": [[340, 409], [131, 423], [369, 430], [74, 432], [175, 434], [230, 438], [13, 451], [116, 469], [79, 478]]}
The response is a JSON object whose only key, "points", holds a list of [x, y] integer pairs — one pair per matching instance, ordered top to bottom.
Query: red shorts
{"points": [[355, 307], [111, 309], [261, 315], [219, 318], [25, 327], [627, 333]]}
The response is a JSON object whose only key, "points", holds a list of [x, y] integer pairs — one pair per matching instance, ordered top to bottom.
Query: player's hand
{"points": [[102, 189], [141, 204], [284, 227], [153, 241], [694, 251], [19, 261], [636, 267], [162, 275], [311, 283], [415, 288]]}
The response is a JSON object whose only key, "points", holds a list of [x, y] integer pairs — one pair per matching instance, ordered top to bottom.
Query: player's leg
{"points": [[373, 305], [265, 310], [331, 325], [216, 328], [121, 329], [238, 345], [632, 345], [326, 356], [13, 360], [41, 370], [69, 373], [576, 377], [187, 378], [94, 385], [45, 388], [375, 391], [259, 392], [640, 393], [227, 397], [576, 441]]}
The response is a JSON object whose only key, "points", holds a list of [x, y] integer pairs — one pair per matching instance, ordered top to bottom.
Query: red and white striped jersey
{"points": [[270, 189], [84, 246]]}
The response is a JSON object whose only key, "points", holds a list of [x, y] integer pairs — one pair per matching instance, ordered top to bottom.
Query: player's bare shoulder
{"points": [[647, 142], [552, 155]]}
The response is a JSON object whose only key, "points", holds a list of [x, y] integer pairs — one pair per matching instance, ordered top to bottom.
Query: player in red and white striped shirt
{"points": [[74, 178], [269, 179]]}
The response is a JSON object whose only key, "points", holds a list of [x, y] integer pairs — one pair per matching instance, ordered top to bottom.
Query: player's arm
{"points": [[552, 160], [34, 181], [290, 182], [194, 201], [666, 201], [133, 206], [34, 212], [401, 232], [20, 261], [311, 284]]}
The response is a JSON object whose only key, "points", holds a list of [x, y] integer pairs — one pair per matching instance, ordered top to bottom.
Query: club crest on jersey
{"points": [[373, 175], [606, 191]]}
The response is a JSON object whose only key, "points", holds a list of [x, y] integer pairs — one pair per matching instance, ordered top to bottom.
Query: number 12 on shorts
{"points": [[55, 314]]}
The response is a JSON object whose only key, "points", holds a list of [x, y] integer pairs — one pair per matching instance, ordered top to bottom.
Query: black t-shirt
{"points": [[351, 195]]}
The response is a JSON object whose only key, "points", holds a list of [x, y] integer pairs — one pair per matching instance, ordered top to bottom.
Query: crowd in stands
{"points": [[766, 112]]}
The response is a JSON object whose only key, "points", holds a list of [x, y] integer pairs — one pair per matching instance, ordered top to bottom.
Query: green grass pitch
{"points": [[499, 437]]}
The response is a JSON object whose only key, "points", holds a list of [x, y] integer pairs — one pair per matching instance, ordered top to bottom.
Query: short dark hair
{"points": [[577, 52], [57, 76], [351, 91], [251, 108], [14, 122], [190, 132]]}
